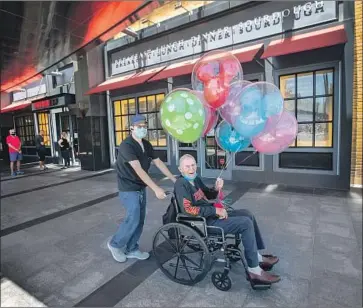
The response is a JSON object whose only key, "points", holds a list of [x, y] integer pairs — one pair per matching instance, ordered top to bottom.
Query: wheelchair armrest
{"points": [[190, 217]]}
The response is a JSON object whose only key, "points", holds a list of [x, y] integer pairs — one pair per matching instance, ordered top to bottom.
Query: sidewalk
{"points": [[53, 245]]}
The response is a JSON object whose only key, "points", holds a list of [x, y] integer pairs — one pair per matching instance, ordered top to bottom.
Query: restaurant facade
{"points": [[304, 48]]}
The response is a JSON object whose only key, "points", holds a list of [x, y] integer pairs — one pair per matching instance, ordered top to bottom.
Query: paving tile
{"points": [[343, 220], [335, 229], [335, 243], [340, 263], [46, 281], [339, 289], [152, 292], [289, 292]]}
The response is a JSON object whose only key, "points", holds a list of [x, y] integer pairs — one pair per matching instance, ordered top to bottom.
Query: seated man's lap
{"points": [[232, 225]]}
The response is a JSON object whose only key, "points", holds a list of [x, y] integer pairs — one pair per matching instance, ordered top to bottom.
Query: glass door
{"points": [[68, 124], [215, 161]]}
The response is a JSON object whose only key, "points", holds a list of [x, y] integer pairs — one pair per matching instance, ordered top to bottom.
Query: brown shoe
{"points": [[268, 261], [264, 278]]}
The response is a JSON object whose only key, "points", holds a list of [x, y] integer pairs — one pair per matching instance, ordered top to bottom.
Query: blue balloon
{"points": [[273, 103], [252, 119], [229, 140]]}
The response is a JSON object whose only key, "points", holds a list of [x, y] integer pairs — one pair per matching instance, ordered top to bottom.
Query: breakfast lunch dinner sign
{"points": [[245, 29]]}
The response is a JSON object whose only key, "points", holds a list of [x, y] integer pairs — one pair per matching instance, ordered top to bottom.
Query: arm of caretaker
{"points": [[164, 169], [185, 200]]}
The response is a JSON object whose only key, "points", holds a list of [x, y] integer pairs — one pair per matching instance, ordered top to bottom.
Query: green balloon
{"points": [[182, 115]]}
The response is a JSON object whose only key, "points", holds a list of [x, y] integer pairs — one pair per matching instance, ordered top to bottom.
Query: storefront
{"points": [[304, 48], [47, 105], [23, 119]]}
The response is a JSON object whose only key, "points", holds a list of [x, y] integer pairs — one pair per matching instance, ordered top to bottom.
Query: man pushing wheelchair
{"points": [[190, 193]]}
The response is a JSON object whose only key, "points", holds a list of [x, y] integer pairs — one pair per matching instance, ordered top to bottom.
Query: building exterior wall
{"points": [[357, 114], [325, 163]]}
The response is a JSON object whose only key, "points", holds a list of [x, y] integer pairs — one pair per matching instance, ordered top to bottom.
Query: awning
{"points": [[306, 41], [244, 55], [125, 81], [15, 106]]}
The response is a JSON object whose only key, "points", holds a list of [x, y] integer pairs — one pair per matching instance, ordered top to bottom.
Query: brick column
{"points": [[357, 114]]}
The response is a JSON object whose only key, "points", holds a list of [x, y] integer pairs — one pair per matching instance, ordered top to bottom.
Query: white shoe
{"points": [[117, 253], [137, 254]]}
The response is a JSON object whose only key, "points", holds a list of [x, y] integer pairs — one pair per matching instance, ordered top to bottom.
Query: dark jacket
{"points": [[193, 200]]}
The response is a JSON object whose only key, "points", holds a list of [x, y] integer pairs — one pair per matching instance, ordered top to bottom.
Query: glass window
{"points": [[312, 105], [148, 106], [43, 125], [25, 130]]}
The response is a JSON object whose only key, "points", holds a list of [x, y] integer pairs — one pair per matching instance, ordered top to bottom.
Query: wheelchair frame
{"points": [[211, 243]]}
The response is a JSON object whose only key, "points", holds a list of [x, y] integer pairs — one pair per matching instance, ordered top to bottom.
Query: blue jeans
{"points": [[243, 222], [128, 234]]}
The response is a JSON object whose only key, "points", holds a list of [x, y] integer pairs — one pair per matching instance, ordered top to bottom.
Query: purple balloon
{"points": [[232, 106], [279, 132]]}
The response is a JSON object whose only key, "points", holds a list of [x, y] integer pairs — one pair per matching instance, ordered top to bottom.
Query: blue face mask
{"points": [[140, 132], [190, 178]]}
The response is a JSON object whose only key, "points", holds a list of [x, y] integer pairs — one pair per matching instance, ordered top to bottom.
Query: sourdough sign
{"points": [[295, 17]]}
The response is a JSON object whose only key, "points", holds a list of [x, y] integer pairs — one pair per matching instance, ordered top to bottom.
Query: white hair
{"points": [[184, 157]]}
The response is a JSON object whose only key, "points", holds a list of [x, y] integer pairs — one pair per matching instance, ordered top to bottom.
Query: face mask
{"points": [[140, 132], [13, 133], [190, 177]]}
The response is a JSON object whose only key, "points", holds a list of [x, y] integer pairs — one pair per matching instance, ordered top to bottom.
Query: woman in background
{"points": [[64, 147]]}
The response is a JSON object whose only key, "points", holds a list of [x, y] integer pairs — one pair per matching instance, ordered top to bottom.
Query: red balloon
{"points": [[229, 69], [206, 71], [215, 92], [211, 119]]}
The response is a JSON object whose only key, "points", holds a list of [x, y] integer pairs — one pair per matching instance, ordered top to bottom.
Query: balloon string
{"points": [[228, 162]]}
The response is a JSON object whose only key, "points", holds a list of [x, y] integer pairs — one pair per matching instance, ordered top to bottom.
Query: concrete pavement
{"points": [[55, 227]]}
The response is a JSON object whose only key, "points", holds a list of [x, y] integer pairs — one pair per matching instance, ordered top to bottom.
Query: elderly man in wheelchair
{"points": [[187, 246]]}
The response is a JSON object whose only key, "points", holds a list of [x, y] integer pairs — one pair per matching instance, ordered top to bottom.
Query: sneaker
{"points": [[19, 172], [14, 174], [117, 254], [137, 254]]}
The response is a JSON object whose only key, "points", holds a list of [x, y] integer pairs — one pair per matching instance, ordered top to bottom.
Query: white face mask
{"points": [[140, 132]]}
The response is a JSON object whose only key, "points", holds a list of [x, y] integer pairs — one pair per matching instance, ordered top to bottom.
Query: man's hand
{"points": [[174, 179], [219, 184], [159, 193], [222, 213]]}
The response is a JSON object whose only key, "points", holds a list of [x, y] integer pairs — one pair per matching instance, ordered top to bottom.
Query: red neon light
{"points": [[41, 104]]}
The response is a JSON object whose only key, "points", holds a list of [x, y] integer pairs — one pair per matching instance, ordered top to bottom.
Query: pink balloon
{"points": [[232, 108], [211, 115], [279, 132]]}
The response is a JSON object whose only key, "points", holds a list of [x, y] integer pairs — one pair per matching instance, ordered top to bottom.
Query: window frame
{"points": [[260, 77], [136, 97], [17, 127], [40, 128], [335, 149]]}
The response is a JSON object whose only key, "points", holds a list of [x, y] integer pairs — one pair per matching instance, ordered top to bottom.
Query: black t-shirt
{"points": [[38, 140], [65, 144], [130, 150]]}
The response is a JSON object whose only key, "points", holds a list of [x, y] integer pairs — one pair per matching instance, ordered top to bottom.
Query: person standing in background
{"points": [[14, 144], [40, 146], [65, 147]]}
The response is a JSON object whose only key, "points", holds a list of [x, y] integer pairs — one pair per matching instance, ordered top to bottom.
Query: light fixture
{"points": [[179, 5], [145, 20], [130, 32], [56, 73]]}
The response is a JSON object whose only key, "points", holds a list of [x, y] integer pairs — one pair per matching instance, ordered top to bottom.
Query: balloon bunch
{"points": [[252, 113]]}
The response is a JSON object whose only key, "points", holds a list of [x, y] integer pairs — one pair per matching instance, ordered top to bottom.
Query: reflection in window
{"points": [[312, 105], [149, 106], [122, 111], [43, 125], [25, 130]]}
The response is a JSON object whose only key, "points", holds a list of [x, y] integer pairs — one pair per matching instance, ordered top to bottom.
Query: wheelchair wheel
{"points": [[181, 253], [221, 282]]}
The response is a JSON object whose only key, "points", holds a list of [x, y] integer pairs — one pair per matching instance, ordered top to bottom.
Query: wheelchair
{"points": [[187, 249]]}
